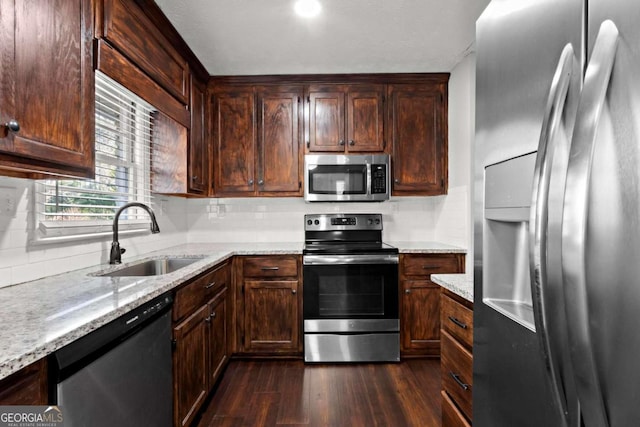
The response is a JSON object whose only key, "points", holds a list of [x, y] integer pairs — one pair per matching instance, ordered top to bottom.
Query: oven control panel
{"points": [[332, 222]]}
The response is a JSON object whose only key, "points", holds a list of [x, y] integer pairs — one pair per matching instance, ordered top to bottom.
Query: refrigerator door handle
{"points": [[574, 229], [544, 317]]}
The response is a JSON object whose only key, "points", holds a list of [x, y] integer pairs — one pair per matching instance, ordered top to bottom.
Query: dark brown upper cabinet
{"points": [[125, 26], [46, 89], [345, 118], [279, 133], [418, 133], [234, 140], [256, 140], [198, 177]]}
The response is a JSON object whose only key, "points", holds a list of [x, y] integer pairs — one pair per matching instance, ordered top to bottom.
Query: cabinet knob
{"points": [[13, 125], [352, 142], [341, 143], [194, 178], [397, 181], [250, 182], [261, 182], [293, 291], [407, 291], [213, 314], [208, 319]]}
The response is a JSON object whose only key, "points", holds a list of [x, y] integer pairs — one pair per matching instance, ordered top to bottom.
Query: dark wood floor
{"points": [[290, 393]]}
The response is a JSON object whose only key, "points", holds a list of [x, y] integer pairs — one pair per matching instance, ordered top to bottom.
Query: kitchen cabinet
{"points": [[125, 26], [46, 100], [345, 118], [257, 131], [418, 134], [234, 141], [180, 155], [198, 175], [420, 301], [271, 304], [200, 338], [456, 360], [28, 386]]}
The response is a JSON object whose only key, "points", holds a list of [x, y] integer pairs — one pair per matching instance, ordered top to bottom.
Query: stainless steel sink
{"points": [[153, 267]]}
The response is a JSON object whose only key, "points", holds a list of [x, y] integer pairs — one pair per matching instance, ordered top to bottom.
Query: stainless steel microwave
{"points": [[346, 178]]}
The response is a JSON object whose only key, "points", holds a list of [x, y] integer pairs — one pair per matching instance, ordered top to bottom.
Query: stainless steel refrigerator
{"points": [[557, 214]]}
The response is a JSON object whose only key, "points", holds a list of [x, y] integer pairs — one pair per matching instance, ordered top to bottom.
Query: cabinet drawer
{"points": [[424, 265], [270, 266], [199, 291], [457, 320], [457, 372], [451, 415]]}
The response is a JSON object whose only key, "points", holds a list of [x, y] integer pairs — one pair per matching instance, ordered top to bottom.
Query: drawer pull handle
{"points": [[429, 267], [270, 268], [210, 285], [457, 322], [457, 379]]}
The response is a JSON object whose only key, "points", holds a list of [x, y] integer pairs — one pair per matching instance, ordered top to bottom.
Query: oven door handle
{"points": [[350, 259]]}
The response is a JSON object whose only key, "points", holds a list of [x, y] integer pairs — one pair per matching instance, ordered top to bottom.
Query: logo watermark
{"points": [[31, 416]]}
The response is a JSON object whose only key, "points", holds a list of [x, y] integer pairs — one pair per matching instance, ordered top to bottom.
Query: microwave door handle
{"points": [[368, 179], [574, 224], [547, 320]]}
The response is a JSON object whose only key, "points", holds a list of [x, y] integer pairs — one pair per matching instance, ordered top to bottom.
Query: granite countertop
{"points": [[406, 247], [459, 284], [42, 316]]}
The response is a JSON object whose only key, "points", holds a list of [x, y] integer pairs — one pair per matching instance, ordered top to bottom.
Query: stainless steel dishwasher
{"points": [[120, 374]]}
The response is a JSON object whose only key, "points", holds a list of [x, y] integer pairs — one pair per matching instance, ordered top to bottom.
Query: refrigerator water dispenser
{"points": [[506, 277]]}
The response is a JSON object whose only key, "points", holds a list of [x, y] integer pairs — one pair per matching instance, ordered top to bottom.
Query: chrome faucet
{"points": [[116, 252]]}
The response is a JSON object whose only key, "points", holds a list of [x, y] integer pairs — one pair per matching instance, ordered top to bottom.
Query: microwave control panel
{"points": [[378, 179]]}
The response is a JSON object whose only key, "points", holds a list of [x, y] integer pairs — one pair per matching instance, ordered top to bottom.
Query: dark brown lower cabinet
{"points": [[420, 301], [269, 305], [201, 351], [456, 360], [190, 363], [28, 386]]}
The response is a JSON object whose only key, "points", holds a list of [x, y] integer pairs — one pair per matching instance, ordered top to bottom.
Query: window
{"points": [[123, 143]]}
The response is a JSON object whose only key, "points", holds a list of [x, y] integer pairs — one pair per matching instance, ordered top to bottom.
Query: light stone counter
{"points": [[426, 248], [459, 284], [41, 316]]}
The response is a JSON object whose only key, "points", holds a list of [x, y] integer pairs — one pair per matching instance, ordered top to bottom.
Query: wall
{"points": [[453, 220], [22, 260]]}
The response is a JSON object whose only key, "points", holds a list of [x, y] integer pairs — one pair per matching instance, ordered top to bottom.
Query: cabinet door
{"points": [[126, 26], [47, 87], [365, 117], [326, 119], [418, 134], [234, 142], [279, 161], [198, 177], [271, 316], [420, 320], [217, 336], [190, 364], [28, 386]]}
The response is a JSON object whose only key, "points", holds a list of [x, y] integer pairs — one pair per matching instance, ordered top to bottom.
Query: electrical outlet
{"points": [[8, 202]]}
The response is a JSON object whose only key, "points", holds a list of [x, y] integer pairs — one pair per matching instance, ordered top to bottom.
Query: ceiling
{"points": [[249, 37]]}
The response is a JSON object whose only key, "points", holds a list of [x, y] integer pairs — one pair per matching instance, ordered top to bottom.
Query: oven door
{"points": [[350, 293]]}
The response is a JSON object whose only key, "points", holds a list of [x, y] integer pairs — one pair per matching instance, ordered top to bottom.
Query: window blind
{"points": [[123, 130]]}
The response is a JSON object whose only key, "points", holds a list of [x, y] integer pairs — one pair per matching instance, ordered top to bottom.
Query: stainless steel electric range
{"points": [[350, 290]]}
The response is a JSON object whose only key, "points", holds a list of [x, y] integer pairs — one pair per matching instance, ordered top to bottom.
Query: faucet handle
{"points": [[122, 250]]}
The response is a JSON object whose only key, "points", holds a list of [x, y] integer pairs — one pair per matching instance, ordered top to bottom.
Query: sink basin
{"points": [[152, 267]]}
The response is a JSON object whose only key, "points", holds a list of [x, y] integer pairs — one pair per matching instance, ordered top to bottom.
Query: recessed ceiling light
{"points": [[307, 8]]}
